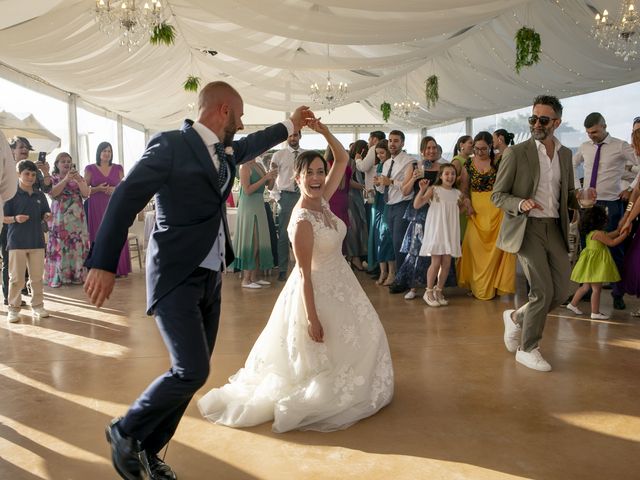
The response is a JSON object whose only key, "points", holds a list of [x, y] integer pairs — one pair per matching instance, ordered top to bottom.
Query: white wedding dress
{"points": [[301, 384]]}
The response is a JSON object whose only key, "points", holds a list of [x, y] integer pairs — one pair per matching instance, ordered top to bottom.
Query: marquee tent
{"points": [[272, 50], [40, 138]]}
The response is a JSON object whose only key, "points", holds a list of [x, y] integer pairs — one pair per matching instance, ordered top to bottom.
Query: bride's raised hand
{"points": [[317, 126], [315, 331]]}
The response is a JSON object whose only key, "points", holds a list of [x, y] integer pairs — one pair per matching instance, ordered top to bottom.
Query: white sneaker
{"points": [[263, 282], [251, 285], [410, 295], [440, 297], [430, 299], [575, 310], [39, 312], [599, 316], [13, 317], [512, 331], [533, 360]]}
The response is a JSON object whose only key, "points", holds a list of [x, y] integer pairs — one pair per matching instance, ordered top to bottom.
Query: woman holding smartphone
{"points": [[68, 243]]}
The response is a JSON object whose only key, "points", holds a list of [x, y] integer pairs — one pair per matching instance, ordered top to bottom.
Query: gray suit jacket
{"points": [[517, 180]]}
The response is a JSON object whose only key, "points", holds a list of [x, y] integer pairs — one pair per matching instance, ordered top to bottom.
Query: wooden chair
{"points": [[134, 248]]}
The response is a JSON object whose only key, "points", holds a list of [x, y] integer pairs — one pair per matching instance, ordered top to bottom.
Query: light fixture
{"points": [[132, 21], [621, 35], [330, 95], [406, 107]]}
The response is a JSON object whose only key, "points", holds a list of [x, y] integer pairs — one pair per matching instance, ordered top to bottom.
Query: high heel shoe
{"points": [[381, 280], [440, 297], [430, 299]]}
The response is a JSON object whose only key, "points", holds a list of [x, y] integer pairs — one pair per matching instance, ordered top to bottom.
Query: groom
{"points": [[191, 172]]}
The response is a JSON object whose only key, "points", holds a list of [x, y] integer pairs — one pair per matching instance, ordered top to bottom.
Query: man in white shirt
{"points": [[605, 159], [390, 184], [534, 188], [289, 194]]}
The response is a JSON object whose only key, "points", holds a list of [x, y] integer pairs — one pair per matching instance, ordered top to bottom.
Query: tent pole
{"points": [[72, 105], [468, 126], [120, 140]]}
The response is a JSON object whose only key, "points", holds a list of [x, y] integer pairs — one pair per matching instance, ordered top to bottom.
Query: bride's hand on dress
{"points": [[315, 331]]}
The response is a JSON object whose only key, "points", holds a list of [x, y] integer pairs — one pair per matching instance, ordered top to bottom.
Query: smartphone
{"points": [[42, 157], [73, 167]]}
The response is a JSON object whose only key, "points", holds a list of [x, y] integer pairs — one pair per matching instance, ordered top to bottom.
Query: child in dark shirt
{"points": [[24, 214]]}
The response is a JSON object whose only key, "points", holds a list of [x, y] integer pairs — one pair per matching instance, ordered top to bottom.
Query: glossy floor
{"points": [[462, 409]]}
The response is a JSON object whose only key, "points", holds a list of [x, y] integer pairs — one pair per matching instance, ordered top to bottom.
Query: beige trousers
{"points": [[33, 260]]}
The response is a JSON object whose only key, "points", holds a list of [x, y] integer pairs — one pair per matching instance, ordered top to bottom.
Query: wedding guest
{"points": [[501, 140], [461, 154], [604, 158], [8, 176], [103, 177], [390, 184], [24, 215], [536, 226], [358, 232], [251, 241], [441, 241], [68, 243], [380, 247], [631, 265], [484, 268], [411, 274]]}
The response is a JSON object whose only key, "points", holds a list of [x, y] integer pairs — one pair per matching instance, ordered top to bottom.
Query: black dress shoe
{"points": [[282, 277], [618, 303], [124, 452], [155, 468]]}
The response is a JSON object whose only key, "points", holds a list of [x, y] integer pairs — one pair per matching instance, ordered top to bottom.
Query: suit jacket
{"points": [[177, 168], [517, 180]]}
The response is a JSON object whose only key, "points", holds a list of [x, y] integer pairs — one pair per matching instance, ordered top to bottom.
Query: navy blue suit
{"points": [[184, 298]]}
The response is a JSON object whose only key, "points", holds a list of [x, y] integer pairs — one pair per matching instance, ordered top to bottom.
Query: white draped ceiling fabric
{"points": [[272, 50]]}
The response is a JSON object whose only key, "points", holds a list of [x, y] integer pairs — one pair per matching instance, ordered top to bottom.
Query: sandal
{"points": [[440, 297], [430, 298]]}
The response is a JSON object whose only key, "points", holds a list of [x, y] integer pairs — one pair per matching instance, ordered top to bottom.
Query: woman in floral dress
{"points": [[68, 243]]}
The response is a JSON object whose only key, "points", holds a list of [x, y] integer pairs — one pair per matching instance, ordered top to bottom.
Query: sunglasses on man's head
{"points": [[544, 121]]}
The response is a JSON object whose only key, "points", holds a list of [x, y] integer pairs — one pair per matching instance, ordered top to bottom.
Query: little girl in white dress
{"points": [[441, 231]]}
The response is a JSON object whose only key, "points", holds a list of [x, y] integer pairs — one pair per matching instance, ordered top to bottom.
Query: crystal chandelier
{"points": [[133, 22], [620, 36], [330, 95], [407, 107]]}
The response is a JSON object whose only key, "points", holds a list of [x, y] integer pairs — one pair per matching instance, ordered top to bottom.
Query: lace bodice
{"points": [[328, 232]]}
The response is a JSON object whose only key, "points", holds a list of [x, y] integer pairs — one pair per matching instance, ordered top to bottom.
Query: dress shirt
{"points": [[614, 155], [284, 159], [400, 163], [367, 165], [548, 193], [215, 258]]}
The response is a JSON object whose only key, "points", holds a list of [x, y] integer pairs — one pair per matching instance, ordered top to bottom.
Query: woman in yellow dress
{"points": [[483, 268]]}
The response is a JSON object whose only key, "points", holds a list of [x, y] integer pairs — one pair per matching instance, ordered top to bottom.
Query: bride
{"points": [[322, 361]]}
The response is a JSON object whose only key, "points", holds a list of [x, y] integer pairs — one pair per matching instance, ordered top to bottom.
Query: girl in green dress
{"points": [[595, 265]]}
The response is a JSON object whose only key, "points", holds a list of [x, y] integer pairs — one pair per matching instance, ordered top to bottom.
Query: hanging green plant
{"points": [[163, 33], [527, 48], [191, 84], [431, 91], [385, 108]]}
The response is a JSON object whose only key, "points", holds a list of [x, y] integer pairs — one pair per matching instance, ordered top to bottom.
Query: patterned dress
{"points": [[68, 243]]}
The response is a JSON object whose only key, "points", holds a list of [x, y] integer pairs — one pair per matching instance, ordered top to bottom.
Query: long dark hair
{"points": [[508, 137], [462, 139], [488, 139], [101, 147], [358, 147], [591, 219]]}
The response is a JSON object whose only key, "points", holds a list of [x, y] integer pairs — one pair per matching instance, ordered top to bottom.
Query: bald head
{"points": [[215, 94]]}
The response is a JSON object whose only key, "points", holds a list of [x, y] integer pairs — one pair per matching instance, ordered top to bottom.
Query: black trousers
{"points": [[187, 318]]}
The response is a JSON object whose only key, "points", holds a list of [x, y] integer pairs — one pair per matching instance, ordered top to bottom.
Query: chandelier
{"points": [[133, 22], [620, 36], [330, 95], [407, 107]]}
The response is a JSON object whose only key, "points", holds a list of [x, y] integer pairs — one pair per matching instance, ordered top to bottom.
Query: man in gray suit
{"points": [[535, 189]]}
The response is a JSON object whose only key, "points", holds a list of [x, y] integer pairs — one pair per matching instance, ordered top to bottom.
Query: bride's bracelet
{"points": [[629, 206]]}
